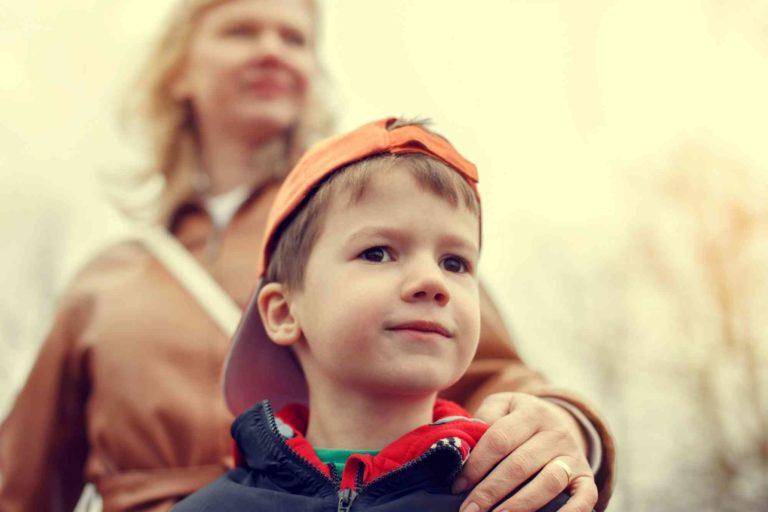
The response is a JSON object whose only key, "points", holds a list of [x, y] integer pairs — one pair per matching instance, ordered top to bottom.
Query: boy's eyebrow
{"points": [[372, 231], [396, 234]]}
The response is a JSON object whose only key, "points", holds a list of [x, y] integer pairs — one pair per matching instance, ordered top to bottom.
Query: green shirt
{"points": [[339, 457]]}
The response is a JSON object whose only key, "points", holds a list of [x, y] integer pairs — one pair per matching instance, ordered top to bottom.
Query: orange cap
{"points": [[329, 155]]}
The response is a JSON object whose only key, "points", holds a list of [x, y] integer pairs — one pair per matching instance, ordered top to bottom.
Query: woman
{"points": [[125, 392]]}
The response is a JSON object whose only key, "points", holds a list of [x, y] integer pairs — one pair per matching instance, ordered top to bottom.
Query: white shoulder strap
{"points": [[185, 268]]}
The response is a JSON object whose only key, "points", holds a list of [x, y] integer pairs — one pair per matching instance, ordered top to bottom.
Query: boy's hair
{"points": [[302, 229]]}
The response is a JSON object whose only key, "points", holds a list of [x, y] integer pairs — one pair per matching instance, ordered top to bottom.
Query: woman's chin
{"points": [[273, 116]]}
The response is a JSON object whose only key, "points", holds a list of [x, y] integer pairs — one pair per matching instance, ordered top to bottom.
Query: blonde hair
{"points": [[169, 122]]}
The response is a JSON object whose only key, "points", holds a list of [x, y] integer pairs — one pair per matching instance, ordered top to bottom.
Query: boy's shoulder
{"points": [[243, 489], [223, 495]]}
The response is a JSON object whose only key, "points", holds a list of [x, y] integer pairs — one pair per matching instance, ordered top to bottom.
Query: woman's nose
{"points": [[269, 46]]}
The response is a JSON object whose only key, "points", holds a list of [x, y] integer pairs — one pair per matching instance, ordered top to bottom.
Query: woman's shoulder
{"points": [[109, 266]]}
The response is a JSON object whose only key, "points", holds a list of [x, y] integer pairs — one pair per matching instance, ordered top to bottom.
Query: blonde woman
{"points": [[125, 392]]}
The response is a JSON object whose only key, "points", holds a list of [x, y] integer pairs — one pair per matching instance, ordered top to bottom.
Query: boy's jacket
{"points": [[279, 471]]}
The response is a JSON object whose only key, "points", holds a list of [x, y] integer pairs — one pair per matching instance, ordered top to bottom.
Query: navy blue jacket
{"points": [[278, 470]]}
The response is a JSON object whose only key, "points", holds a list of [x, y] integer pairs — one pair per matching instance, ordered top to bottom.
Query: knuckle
{"points": [[542, 408], [542, 416], [562, 438], [499, 441], [519, 468], [591, 495], [484, 497]]}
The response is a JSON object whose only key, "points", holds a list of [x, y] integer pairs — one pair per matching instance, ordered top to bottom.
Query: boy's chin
{"points": [[412, 383]]}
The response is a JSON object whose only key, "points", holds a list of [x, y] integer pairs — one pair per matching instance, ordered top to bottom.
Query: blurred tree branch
{"points": [[717, 207]]}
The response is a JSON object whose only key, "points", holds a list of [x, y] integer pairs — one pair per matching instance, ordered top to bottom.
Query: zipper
{"points": [[301, 460], [346, 497]]}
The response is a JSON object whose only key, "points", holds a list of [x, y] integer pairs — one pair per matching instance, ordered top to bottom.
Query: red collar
{"points": [[451, 425]]}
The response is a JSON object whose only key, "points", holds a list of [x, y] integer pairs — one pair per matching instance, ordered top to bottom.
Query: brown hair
{"points": [[169, 121], [300, 231]]}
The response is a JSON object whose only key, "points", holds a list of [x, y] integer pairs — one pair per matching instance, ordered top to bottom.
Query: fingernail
{"points": [[460, 485], [472, 507]]}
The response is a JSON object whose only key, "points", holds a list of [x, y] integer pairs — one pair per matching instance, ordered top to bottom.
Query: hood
{"points": [[275, 444]]}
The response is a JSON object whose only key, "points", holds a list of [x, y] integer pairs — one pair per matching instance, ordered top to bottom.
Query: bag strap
{"points": [[190, 274]]}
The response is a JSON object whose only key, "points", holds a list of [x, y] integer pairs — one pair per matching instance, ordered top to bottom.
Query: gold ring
{"points": [[566, 468]]}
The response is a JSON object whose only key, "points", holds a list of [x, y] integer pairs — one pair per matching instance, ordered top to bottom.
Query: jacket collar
{"points": [[193, 206], [276, 444]]}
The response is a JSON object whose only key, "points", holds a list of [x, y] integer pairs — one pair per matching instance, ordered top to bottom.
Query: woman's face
{"points": [[249, 65]]}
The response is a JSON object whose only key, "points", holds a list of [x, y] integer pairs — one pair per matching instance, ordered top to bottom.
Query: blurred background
{"points": [[624, 171]]}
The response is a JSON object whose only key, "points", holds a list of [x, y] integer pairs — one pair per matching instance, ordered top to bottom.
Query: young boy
{"points": [[369, 284]]}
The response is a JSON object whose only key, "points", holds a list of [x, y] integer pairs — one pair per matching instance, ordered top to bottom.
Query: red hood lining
{"points": [[458, 425]]}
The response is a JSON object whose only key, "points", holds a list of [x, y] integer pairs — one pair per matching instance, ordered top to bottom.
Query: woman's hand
{"points": [[528, 435]]}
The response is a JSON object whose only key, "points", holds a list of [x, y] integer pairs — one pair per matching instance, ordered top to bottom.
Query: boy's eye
{"points": [[376, 254], [455, 264]]}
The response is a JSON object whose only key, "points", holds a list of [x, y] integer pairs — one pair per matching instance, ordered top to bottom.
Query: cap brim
{"points": [[258, 369]]}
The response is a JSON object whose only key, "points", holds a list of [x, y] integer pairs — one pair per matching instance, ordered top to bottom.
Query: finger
{"points": [[495, 407], [500, 440], [515, 469], [552, 480], [583, 495]]}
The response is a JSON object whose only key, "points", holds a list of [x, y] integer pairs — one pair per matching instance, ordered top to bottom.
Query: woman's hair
{"points": [[169, 124]]}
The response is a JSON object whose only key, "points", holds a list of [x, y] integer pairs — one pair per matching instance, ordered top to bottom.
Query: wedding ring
{"points": [[566, 468]]}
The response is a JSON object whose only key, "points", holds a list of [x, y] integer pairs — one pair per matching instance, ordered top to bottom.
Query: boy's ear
{"points": [[274, 309]]}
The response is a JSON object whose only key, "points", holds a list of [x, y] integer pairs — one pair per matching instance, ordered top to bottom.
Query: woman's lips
{"points": [[268, 82], [269, 88]]}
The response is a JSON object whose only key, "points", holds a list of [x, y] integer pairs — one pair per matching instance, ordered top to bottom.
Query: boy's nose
{"points": [[426, 287]]}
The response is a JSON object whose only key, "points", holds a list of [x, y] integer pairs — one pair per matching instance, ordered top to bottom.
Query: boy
{"points": [[369, 269]]}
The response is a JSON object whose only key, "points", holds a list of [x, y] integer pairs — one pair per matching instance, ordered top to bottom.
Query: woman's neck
{"points": [[231, 160], [344, 419]]}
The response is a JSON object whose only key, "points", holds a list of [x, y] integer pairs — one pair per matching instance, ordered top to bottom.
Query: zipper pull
{"points": [[346, 497]]}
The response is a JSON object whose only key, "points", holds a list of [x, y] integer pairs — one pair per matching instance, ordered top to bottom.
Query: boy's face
{"points": [[390, 302]]}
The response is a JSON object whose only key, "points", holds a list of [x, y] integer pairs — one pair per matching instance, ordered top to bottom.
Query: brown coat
{"points": [[126, 391]]}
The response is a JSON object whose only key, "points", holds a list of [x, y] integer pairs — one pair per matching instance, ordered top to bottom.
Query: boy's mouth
{"points": [[422, 326]]}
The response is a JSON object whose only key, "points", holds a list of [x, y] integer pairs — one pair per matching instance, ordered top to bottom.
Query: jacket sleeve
{"points": [[497, 367], [42, 441]]}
